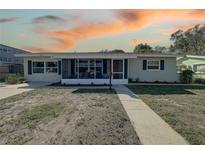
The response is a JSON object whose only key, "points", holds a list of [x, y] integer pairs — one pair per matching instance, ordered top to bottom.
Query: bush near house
{"points": [[186, 76], [14, 79], [2, 80], [131, 80], [199, 80]]}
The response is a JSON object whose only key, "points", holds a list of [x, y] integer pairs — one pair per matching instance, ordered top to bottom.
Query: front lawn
{"points": [[182, 107], [65, 116]]}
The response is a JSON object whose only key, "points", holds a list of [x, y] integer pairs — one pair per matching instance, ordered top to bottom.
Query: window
{"points": [[5, 49], [5, 59], [9, 59], [153, 65], [38, 67], [51, 67], [99, 68], [199, 68], [89, 69]]}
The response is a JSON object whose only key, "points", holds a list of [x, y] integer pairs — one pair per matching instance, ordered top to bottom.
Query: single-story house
{"points": [[193, 62], [96, 67]]}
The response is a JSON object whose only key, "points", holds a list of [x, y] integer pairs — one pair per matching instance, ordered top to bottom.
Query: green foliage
{"points": [[191, 41], [143, 48], [160, 49], [113, 51], [117, 51], [186, 76], [14, 79], [2, 80], [130, 80], [199, 80]]}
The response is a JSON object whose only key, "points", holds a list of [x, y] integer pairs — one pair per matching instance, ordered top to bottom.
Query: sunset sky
{"points": [[92, 30]]}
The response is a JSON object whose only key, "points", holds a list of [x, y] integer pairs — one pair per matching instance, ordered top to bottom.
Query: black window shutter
{"points": [[144, 64], [161, 64], [105, 66], [29, 67], [59, 67], [72, 67], [125, 69]]}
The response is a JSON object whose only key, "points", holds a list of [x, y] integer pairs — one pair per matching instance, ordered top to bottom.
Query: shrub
{"points": [[186, 76], [14, 79], [2, 80], [21, 80], [130, 80], [137, 80], [199, 80]]}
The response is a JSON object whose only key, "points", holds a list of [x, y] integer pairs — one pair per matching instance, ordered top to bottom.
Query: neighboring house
{"points": [[8, 62], [193, 62], [95, 68]]}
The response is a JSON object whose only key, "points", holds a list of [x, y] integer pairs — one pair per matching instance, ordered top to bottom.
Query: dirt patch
{"points": [[65, 116]]}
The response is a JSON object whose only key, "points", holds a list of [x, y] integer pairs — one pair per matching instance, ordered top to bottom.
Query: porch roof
{"points": [[101, 55]]}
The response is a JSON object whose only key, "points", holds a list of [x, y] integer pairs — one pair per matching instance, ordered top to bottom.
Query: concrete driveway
{"points": [[10, 90]]}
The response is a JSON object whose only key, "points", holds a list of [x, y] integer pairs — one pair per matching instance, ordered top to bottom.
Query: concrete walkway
{"points": [[10, 90], [150, 127]]}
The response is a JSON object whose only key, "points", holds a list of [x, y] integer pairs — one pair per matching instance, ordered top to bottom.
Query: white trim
{"points": [[45, 61], [38, 67], [51, 67], [153, 69], [94, 81]]}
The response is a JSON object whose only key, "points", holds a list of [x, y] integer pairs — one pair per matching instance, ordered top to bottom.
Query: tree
{"points": [[191, 41], [143, 48], [160, 49], [104, 50], [113, 51], [117, 51]]}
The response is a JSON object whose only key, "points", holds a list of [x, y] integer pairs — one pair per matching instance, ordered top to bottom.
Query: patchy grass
{"points": [[183, 107], [40, 113], [57, 115]]}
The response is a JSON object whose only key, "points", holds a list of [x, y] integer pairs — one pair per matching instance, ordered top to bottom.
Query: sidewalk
{"points": [[10, 90], [150, 128]]}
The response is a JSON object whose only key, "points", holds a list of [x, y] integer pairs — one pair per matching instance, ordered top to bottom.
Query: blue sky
{"points": [[92, 30]]}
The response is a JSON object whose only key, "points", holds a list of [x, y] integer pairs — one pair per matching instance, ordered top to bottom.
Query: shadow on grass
{"points": [[164, 89], [102, 91]]}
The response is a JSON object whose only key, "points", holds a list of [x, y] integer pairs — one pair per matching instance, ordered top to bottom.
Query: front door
{"points": [[118, 69]]}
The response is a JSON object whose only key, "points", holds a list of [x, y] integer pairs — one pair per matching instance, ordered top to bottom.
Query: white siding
{"points": [[135, 70], [44, 77]]}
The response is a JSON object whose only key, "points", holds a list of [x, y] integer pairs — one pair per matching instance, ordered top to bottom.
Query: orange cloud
{"points": [[126, 21]]}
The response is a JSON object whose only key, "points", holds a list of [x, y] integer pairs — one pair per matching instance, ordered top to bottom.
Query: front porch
{"points": [[94, 71]]}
